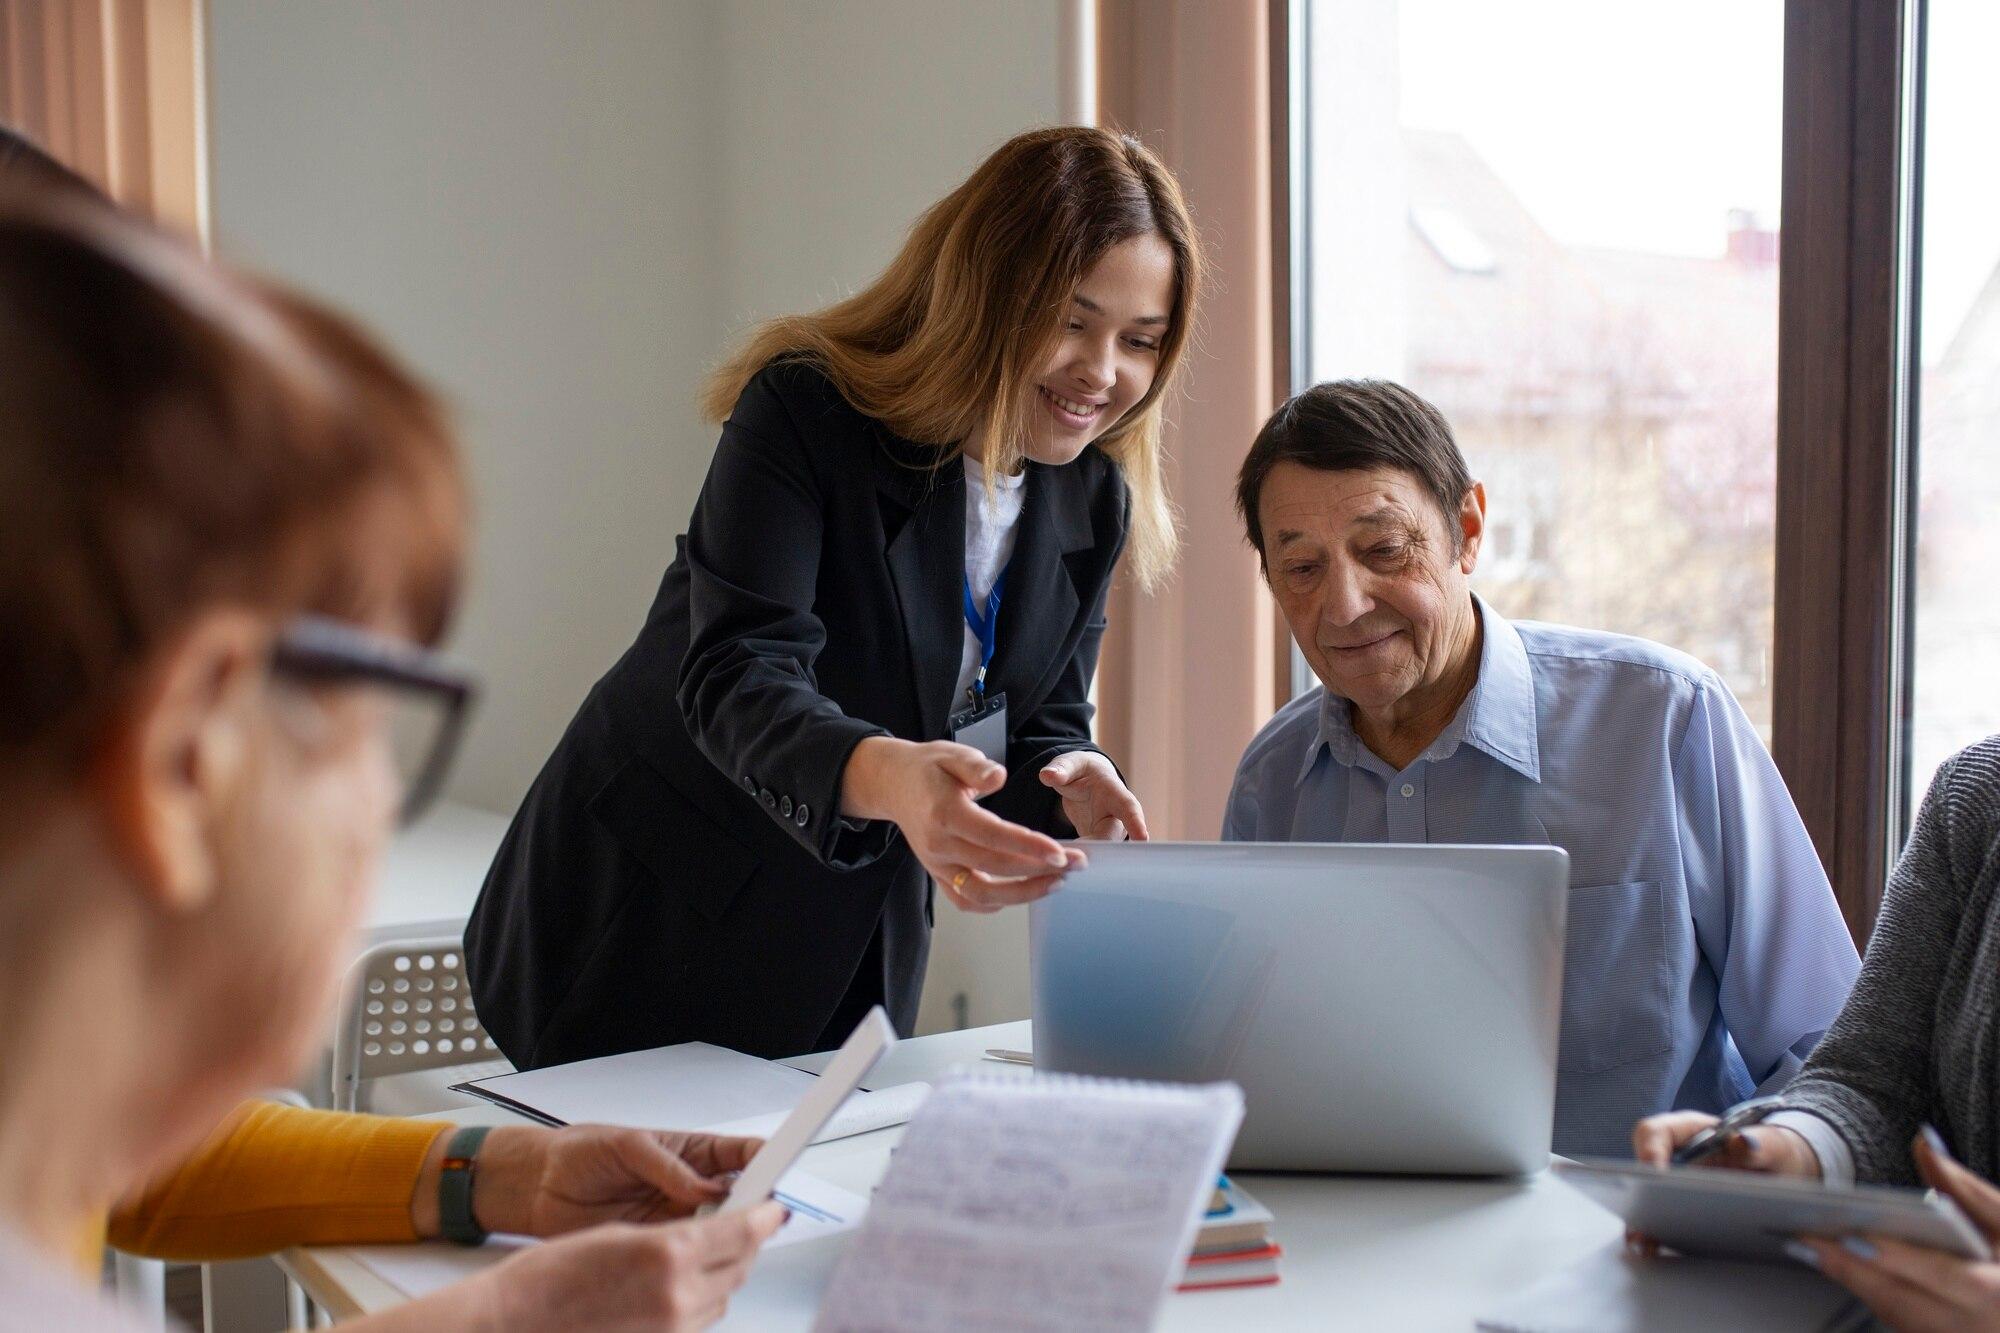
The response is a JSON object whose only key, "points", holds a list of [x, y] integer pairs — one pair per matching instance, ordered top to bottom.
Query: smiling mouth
{"points": [[1069, 410], [1358, 647]]}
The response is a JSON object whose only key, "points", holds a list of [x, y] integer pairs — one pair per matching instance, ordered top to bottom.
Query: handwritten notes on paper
{"points": [[1050, 1203]]}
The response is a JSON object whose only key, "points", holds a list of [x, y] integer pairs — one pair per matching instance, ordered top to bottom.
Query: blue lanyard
{"points": [[986, 629]]}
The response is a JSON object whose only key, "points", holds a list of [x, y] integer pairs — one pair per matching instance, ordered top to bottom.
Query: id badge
{"points": [[983, 728]]}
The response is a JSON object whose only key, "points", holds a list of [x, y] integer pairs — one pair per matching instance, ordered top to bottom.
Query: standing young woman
{"points": [[871, 657]]}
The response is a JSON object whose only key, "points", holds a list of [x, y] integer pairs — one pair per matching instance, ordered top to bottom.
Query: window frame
{"points": [[1847, 304], [1846, 311]]}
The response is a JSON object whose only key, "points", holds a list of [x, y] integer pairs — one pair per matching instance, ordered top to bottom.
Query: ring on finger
{"points": [[958, 880]]}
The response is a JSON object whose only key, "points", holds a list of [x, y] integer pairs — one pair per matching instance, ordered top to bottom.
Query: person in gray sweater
{"points": [[1909, 1074]]}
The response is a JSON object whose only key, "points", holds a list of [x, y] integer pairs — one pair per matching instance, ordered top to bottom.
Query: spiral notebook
{"points": [[1050, 1202]]}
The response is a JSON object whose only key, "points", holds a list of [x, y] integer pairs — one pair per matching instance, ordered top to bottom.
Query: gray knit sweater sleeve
{"points": [[1906, 1050]]}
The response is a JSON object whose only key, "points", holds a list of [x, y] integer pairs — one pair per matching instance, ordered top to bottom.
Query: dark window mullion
{"points": [[1842, 312]]}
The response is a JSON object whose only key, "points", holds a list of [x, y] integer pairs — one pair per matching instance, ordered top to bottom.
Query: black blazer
{"points": [[679, 871]]}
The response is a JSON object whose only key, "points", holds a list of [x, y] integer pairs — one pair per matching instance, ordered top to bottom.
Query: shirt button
{"points": [[1409, 790], [785, 806], [799, 815]]}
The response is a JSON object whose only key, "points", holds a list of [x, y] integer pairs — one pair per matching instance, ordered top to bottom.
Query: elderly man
{"points": [[1706, 955]]}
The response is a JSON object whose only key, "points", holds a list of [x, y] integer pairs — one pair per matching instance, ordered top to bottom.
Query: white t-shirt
{"points": [[991, 524], [39, 1293]]}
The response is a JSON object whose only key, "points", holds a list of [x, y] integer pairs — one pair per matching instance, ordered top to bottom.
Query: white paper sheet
{"points": [[690, 1086], [670, 1087], [862, 1113], [1049, 1203], [819, 1209]]}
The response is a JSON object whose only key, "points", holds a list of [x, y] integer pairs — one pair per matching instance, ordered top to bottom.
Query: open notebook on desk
{"points": [[690, 1086], [1051, 1202]]}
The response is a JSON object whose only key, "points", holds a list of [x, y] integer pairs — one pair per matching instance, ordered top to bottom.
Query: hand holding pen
{"points": [[1719, 1137], [1681, 1138]]}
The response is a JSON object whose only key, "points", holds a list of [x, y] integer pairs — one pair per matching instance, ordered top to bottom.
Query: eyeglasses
{"points": [[429, 696]]}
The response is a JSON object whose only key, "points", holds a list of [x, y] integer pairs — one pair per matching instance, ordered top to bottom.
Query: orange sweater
{"points": [[274, 1176]]}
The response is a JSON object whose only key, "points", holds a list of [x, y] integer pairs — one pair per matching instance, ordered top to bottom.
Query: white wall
{"points": [[841, 122], [521, 202], [562, 211]]}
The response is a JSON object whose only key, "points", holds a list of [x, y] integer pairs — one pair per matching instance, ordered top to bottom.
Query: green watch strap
{"points": [[455, 1217]]}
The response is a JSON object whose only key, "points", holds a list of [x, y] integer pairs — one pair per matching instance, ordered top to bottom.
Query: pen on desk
{"points": [[1010, 1057], [1717, 1136]]}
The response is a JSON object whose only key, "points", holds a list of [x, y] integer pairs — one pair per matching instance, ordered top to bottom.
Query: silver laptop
{"points": [[1387, 1008]]}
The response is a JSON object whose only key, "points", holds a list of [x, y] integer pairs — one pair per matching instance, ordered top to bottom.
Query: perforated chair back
{"points": [[406, 1007]]}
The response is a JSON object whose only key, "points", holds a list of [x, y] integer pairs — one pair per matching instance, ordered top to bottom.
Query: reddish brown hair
{"points": [[174, 437]]}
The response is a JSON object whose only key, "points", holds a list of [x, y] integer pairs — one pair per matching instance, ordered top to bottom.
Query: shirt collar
{"points": [[1498, 717]]}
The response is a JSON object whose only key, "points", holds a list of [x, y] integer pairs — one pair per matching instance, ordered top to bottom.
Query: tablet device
{"points": [[858, 1054], [1741, 1215]]}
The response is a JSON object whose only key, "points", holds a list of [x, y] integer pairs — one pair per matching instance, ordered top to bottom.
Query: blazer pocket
{"points": [[667, 833], [1617, 989]]}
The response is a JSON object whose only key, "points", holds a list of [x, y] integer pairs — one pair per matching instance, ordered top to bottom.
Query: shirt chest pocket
{"points": [[1617, 986]]}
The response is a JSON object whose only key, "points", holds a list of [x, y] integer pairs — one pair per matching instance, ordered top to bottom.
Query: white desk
{"points": [[1360, 1252]]}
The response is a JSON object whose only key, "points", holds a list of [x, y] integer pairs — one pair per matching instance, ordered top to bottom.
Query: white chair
{"points": [[406, 1031]]}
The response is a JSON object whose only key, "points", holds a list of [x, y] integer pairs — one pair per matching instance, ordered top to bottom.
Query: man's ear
{"points": [[1471, 526], [177, 751]]}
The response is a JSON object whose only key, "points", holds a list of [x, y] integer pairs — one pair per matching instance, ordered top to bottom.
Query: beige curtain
{"points": [[114, 89], [1190, 673]]}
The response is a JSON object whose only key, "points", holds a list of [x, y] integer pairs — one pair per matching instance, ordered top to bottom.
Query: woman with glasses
{"points": [[227, 524], [868, 667]]}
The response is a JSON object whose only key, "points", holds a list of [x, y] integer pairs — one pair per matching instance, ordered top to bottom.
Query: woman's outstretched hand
{"points": [[931, 791], [1095, 800]]}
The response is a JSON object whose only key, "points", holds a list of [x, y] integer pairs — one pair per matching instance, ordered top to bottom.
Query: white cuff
{"points": [[1836, 1159]]}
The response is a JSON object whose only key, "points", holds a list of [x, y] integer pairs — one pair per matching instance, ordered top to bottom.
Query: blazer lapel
{"points": [[923, 513], [1040, 603]]}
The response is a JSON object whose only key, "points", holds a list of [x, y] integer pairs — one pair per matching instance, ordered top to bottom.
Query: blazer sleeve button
{"points": [[749, 784], [770, 801], [785, 806], [799, 815]]}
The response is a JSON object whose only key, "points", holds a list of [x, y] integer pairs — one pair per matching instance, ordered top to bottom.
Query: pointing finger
{"points": [[992, 834]]}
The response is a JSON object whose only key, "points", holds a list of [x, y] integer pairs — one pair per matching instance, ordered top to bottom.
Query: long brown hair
{"points": [[952, 335]]}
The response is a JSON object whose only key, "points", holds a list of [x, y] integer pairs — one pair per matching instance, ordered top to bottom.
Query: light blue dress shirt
{"points": [[1706, 954]]}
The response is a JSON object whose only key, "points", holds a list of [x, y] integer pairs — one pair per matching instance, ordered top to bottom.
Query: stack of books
{"points": [[1233, 1247]]}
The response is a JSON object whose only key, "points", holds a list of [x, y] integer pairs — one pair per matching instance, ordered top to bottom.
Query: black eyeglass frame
{"points": [[322, 650]]}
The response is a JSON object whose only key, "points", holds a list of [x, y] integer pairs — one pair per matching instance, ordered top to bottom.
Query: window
{"points": [[1558, 223], [1954, 663]]}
